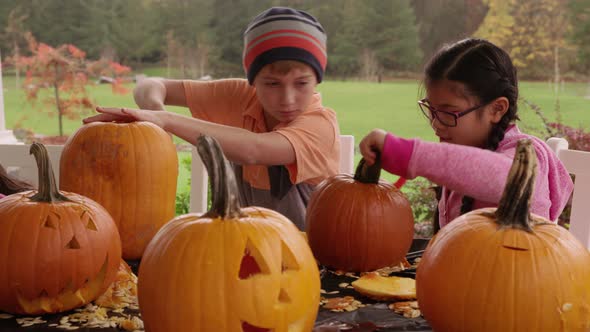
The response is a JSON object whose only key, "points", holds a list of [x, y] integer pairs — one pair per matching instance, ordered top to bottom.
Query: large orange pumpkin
{"points": [[129, 168], [359, 223], [58, 250], [231, 269], [505, 269]]}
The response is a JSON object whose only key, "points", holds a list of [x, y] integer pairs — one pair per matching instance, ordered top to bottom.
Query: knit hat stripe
{"points": [[285, 18], [284, 33], [254, 34], [286, 41]]}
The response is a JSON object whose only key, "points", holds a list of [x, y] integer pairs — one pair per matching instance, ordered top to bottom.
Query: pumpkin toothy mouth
{"points": [[67, 299], [251, 328]]}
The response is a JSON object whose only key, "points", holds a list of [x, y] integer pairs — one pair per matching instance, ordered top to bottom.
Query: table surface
{"points": [[374, 316]]}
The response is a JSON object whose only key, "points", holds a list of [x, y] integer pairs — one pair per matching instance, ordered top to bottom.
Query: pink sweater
{"points": [[479, 173]]}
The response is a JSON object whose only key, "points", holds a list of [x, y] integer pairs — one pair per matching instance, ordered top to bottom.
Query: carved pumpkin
{"points": [[129, 168], [359, 223], [58, 250], [231, 269], [505, 269]]}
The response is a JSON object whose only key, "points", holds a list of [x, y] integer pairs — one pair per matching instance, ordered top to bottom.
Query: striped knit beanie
{"points": [[282, 33]]}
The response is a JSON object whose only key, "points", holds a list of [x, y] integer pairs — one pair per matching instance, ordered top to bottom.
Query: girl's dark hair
{"points": [[487, 73], [10, 185]]}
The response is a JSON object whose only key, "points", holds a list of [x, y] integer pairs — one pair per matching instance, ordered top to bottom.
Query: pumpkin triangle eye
{"points": [[87, 218], [51, 221], [91, 225], [73, 244], [288, 259], [252, 262]]}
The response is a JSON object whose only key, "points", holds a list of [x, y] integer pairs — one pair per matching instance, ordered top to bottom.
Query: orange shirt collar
{"points": [[256, 112]]}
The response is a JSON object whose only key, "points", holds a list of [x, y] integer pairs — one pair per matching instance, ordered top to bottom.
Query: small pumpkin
{"points": [[129, 168], [359, 223], [58, 250], [231, 269], [505, 269]]}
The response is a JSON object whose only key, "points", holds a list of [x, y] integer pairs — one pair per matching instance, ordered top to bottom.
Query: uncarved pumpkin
{"points": [[129, 168], [359, 223], [58, 250], [231, 269], [505, 269]]}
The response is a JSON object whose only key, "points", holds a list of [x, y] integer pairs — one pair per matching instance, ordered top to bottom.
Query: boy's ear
{"points": [[498, 108]]}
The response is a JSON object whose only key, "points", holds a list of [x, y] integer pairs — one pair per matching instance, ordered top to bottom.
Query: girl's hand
{"points": [[111, 114], [371, 143]]}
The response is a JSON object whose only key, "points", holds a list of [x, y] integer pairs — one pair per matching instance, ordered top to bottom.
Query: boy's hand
{"points": [[111, 114], [373, 141]]}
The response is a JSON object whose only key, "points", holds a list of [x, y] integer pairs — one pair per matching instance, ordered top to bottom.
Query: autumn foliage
{"points": [[66, 72]]}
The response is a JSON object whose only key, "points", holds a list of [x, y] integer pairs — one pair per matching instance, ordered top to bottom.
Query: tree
{"points": [[579, 11], [444, 21], [56, 22], [228, 23], [498, 23], [187, 26], [388, 29], [533, 32], [14, 34], [368, 37], [65, 70]]}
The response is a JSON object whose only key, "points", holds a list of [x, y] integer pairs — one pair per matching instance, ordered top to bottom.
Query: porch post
{"points": [[6, 136]]}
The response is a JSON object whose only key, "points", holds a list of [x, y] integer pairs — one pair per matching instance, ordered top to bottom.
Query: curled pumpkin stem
{"points": [[369, 174], [48, 191], [225, 202], [514, 208]]}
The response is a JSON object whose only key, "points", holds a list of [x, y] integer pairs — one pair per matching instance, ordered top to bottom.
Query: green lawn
{"points": [[360, 106]]}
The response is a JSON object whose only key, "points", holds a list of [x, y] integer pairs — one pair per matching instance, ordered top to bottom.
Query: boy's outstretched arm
{"points": [[154, 93], [239, 145]]}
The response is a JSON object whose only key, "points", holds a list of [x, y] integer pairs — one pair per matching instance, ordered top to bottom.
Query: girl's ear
{"points": [[498, 108]]}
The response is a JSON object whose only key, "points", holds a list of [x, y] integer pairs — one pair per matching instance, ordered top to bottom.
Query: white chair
{"points": [[17, 161], [577, 163], [198, 202]]}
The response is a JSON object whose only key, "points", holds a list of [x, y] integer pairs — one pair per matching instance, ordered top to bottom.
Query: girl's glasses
{"points": [[448, 119]]}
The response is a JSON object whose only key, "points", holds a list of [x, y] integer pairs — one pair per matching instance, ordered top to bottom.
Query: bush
{"points": [[577, 138], [183, 197]]}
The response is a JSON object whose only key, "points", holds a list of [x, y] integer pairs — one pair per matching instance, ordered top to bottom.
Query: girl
{"points": [[471, 103]]}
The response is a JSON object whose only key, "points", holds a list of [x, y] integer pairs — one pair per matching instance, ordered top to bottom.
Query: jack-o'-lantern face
{"points": [[58, 250], [232, 269], [271, 273], [254, 274]]}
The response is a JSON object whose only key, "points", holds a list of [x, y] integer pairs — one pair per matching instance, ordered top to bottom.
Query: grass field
{"points": [[360, 106]]}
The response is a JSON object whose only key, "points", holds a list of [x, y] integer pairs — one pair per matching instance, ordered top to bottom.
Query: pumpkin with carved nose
{"points": [[58, 250], [231, 269]]}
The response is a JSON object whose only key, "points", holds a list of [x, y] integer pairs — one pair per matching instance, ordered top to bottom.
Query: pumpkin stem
{"points": [[369, 174], [48, 191], [225, 202], [513, 210]]}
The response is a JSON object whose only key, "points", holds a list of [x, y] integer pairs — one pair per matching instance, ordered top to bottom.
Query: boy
{"points": [[272, 126]]}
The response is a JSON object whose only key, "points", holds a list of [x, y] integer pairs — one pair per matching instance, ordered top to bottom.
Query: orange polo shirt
{"points": [[314, 134]]}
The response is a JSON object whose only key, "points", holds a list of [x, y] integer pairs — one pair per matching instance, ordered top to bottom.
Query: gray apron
{"points": [[284, 197]]}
